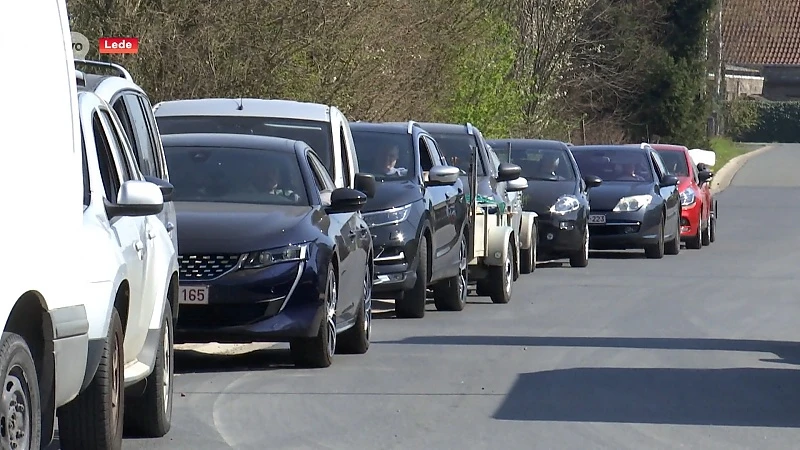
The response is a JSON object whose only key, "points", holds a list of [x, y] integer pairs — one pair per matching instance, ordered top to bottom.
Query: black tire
{"points": [[712, 233], [706, 234], [695, 242], [673, 247], [656, 251], [528, 256], [581, 257], [501, 278], [451, 294], [411, 303], [355, 341], [317, 352], [21, 385], [150, 414], [92, 421]]}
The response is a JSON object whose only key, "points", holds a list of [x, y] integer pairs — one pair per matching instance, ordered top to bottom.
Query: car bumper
{"points": [[690, 220], [625, 230], [559, 234], [395, 258], [274, 304], [70, 350]]}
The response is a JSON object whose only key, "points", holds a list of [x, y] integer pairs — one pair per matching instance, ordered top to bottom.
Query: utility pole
{"points": [[720, 70]]}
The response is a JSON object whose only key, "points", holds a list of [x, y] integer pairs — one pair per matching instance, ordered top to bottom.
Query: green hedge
{"points": [[774, 122]]}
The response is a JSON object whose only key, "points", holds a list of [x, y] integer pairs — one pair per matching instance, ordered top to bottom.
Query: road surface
{"points": [[698, 350]]}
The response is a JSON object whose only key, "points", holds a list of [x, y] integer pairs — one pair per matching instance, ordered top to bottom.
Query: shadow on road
{"points": [[605, 254], [786, 352], [190, 361], [723, 397]]}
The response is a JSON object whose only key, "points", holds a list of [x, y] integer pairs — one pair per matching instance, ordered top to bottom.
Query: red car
{"points": [[698, 218]]}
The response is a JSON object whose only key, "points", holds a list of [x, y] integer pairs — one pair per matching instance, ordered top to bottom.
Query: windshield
{"points": [[316, 134], [456, 150], [387, 156], [675, 162], [550, 164], [614, 165], [235, 175]]}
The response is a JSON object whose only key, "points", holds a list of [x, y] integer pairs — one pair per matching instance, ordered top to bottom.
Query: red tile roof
{"points": [[761, 32]]}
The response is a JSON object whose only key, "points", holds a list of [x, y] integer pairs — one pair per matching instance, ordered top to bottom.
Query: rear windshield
{"points": [[316, 134], [387, 156], [675, 161], [615, 165], [235, 175]]}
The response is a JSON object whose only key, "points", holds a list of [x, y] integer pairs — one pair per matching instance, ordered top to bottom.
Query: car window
{"points": [[123, 114], [314, 133], [141, 139], [119, 146], [457, 150], [345, 155], [387, 156], [435, 158], [425, 159], [675, 162], [658, 163], [615, 165], [493, 170], [109, 172], [219, 174], [324, 181], [87, 190]]}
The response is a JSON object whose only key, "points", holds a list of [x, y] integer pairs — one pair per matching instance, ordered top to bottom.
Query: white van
{"points": [[45, 327]]}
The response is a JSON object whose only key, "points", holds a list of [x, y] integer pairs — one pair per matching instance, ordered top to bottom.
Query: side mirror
{"points": [[508, 172], [443, 176], [705, 176], [669, 180], [592, 181], [365, 183], [520, 184], [166, 187], [135, 199], [346, 200]]}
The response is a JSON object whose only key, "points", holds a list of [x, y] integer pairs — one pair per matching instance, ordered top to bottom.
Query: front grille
{"points": [[205, 267]]}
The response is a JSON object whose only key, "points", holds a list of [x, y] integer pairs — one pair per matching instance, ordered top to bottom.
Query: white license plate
{"points": [[597, 218], [193, 295]]}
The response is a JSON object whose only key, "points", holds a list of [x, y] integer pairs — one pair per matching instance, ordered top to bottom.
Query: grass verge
{"points": [[726, 150]]}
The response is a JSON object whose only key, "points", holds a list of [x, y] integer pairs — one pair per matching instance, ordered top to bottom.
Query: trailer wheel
{"points": [[501, 278]]}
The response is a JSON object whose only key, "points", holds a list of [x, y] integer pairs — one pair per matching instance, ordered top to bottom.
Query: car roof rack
{"points": [[107, 65], [411, 125], [470, 129]]}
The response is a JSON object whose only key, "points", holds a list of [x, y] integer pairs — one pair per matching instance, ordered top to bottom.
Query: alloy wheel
{"points": [[586, 242], [509, 272], [462, 273], [368, 304], [331, 314], [167, 367], [116, 389], [15, 422]]}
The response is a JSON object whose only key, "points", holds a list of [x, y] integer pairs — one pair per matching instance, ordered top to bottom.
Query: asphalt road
{"points": [[698, 350]]}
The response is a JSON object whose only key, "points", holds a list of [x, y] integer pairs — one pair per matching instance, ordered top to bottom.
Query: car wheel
{"points": [[712, 233], [706, 237], [695, 242], [673, 247], [656, 251], [527, 256], [581, 257], [501, 278], [451, 294], [411, 303], [356, 339], [317, 352], [20, 405], [150, 415], [93, 420]]}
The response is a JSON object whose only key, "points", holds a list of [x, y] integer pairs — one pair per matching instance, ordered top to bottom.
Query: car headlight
{"points": [[688, 196], [633, 203], [565, 204], [387, 216], [264, 258]]}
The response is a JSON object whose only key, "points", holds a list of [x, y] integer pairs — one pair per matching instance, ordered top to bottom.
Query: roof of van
{"points": [[246, 107], [386, 127], [539, 143]]}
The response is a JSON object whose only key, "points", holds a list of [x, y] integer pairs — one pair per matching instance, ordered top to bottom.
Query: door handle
{"points": [[170, 226], [151, 234], [138, 246]]}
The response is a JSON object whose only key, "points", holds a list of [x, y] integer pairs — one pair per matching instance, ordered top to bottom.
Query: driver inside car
{"points": [[390, 156], [270, 182]]}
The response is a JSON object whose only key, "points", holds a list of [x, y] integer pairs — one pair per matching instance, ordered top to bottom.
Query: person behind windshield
{"points": [[390, 155], [548, 165], [629, 172], [270, 183]]}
